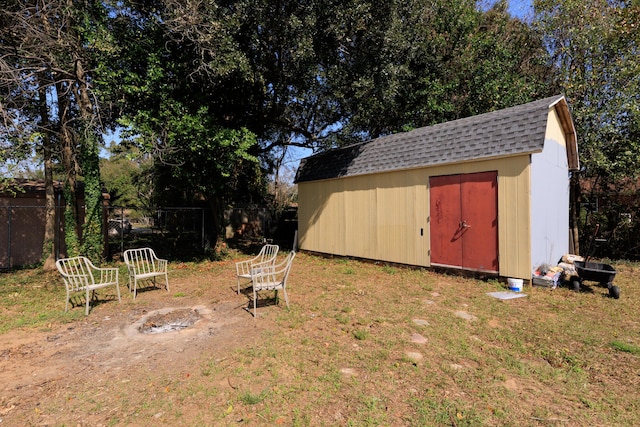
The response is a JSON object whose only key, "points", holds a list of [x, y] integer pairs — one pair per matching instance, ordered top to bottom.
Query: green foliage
{"points": [[594, 47], [430, 62], [206, 157], [120, 175], [70, 236], [92, 236], [389, 270]]}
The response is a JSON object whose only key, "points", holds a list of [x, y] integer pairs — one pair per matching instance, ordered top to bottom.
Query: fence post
{"points": [[8, 208], [105, 224]]}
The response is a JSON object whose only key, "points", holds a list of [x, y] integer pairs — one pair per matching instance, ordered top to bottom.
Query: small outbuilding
{"points": [[488, 193]]}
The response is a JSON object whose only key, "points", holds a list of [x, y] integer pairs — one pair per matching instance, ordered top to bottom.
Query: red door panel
{"points": [[479, 214], [464, 221], [446, 246]]}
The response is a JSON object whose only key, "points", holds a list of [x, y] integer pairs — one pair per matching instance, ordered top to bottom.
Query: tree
{"points": [[594, 47], [436, 61], [258, 63], [171, 90], [48, 106], [202, 161]]}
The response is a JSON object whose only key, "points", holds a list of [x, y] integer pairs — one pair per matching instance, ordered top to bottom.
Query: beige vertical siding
{"points": [[554, 130], [361, 201], [380, 216], [514, 217], [397, 218], [321, 225]]}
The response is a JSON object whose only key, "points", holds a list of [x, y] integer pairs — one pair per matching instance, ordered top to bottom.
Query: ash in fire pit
{"points": [[174, 320]]}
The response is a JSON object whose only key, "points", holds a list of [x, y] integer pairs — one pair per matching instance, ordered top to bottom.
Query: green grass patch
{"points": [[361, 334], [625, 347], [249, 398]]}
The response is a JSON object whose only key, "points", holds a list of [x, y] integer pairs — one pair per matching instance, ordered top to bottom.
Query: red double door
{"points": [[464, 221]]}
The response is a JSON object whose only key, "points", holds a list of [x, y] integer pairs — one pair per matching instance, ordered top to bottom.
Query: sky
{"points": [[521, 8]]}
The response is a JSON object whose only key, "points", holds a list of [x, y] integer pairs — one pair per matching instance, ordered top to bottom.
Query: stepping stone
{"points": [[429, 302], [466, 316], [421, 322], [418, 339], [414, 356], [349, 372], [511, 384]]}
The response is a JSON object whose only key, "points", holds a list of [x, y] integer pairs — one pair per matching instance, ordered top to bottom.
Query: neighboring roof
{"points": [[512, 131], [21, 186]]}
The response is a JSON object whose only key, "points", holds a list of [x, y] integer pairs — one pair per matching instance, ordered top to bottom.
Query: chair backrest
{"points": [[268, 252], [141, 260], [288, 262], [280, 270], [76, 272], [267, 275]]}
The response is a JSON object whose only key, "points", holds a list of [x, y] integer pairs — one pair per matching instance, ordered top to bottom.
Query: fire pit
{"points": [[169, 320]]}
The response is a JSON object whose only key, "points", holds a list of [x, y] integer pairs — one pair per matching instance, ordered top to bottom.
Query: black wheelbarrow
{"points": [[595, 272]]}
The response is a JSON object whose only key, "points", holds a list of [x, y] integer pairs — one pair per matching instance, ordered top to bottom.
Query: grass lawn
{"points": [[362, 344]]}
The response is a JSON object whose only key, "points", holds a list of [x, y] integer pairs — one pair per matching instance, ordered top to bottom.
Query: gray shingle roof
{"points": [[516, 130]]}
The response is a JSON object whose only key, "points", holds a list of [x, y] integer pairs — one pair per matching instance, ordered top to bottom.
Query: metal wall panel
{"points": [[385, 216]]}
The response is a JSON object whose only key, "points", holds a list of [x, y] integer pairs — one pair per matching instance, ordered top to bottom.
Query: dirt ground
{"points": [[109, 347]]}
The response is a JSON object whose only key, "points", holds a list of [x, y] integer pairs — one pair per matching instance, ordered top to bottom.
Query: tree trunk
{"points": [[574, 211], [72, 225], [216, 230], [92, 238], [48, 246]]}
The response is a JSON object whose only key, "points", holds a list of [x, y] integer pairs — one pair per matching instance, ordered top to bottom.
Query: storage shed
{"points": [[488, 193]]}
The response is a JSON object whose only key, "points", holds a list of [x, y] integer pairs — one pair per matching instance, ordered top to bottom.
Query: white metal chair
{"points": [[267, 254], [144, 264], [80, 275], [271, 277]]}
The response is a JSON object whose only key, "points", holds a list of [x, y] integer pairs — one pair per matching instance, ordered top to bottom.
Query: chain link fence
{"points": [[177, 233], [180, 233]]}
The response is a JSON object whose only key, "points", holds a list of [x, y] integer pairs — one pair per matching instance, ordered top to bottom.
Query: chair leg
{"points": [[166, 281], [135, 287], [118, 291], [286, 297], [255, 311], [86, 312]]}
